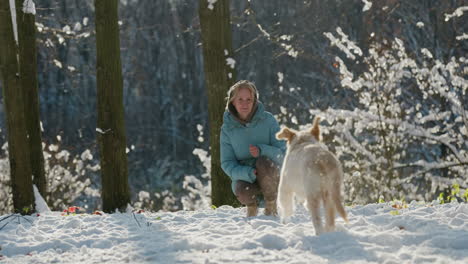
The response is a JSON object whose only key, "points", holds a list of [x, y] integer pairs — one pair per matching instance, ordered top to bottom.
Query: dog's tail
{"points": [[315, 131], [336, 196]]}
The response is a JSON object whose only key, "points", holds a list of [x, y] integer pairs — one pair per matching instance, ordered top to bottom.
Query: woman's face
{"points": [[243, 102]]}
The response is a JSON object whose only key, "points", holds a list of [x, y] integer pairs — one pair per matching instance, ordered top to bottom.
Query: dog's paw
{"points": [[285, 220], [319, 231]]}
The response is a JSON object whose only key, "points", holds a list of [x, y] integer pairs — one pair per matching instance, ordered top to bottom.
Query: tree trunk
{"points": [[219, 76], [28, 77], [111, 122], [18, 148]]}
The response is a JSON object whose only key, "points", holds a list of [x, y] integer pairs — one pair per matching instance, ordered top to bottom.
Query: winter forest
{"points": [[389, 79], [111, 135]]}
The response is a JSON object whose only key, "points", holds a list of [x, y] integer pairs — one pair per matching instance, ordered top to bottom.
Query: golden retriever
{"points": [[311, 173]]}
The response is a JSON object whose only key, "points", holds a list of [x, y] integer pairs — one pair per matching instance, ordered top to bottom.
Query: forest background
{"points": [[284, 47]]}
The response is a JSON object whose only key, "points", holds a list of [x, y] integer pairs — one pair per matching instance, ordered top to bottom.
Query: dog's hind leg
{"points": [[336, 197], [285, 202], [313, 204], [329, 206]]}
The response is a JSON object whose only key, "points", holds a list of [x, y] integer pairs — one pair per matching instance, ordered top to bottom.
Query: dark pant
{"points": [[266, 183]]}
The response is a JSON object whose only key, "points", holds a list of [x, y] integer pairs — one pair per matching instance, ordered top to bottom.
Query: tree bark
{"points": [[219, 76], [29, 84], [111, 121], [18, 148]]}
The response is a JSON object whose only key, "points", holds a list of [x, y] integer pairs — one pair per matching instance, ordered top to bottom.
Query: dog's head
{"points": [[295, 137]]}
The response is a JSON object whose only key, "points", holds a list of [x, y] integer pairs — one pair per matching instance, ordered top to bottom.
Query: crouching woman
{"points": [[250, 153]]}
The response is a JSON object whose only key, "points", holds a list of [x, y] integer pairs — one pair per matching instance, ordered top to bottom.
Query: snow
{"points": [[211, 4], [367, 5], [29, 7], [457, 13], [13, 19], [77, 26], [67, 29], [267, 35], [462, 37], [344, 44], [427, 53], [231, 62], [58, 63], [280, 77], [53, 147], [86, 155], [41, 205], [377, 233]]}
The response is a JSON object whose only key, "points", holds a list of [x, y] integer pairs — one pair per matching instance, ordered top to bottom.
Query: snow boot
{"points": [[270, 208], [252, 210]]}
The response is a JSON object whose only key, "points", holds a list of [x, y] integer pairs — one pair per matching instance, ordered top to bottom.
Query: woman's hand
{"points": [[254, 151]]}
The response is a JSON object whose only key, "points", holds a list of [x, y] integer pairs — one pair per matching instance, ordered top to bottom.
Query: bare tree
{"points": [[219, 76], [28, 77], [111, 119], [18, 143]]}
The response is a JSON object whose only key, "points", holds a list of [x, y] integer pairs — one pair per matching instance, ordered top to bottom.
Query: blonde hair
{"points": [[232, 93]]}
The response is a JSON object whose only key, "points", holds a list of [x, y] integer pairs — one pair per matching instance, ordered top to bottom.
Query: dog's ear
{"points": [[315, 130], [286, 133]]}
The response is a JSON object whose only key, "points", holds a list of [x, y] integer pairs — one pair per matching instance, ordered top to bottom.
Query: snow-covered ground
{"points": [[377, 233]]}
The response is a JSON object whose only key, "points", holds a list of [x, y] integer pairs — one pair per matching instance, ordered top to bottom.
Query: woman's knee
{"points": [[267, 177], [246, 192]]}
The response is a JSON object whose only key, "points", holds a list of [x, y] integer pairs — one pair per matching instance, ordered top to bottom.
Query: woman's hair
{"points": [[232, 93]]}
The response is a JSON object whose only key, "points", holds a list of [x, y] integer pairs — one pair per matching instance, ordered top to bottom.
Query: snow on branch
{"points": [[367, 5], [457, 13], [462, 37], [344, 44], [366, 119], [409, 127]]}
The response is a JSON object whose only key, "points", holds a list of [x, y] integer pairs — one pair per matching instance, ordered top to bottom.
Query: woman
{"points": [[250, 153]]}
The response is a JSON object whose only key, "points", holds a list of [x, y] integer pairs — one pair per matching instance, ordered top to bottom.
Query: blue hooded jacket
{"points": [[236, 160]]}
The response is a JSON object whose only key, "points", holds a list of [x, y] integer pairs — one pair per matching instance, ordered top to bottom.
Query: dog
{"points": [[311, 173]]}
